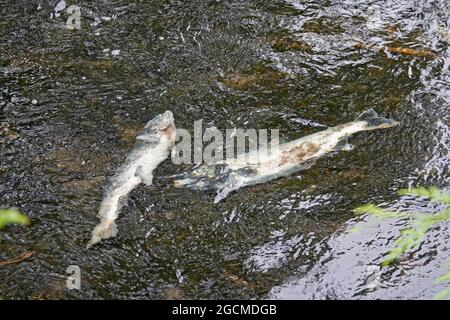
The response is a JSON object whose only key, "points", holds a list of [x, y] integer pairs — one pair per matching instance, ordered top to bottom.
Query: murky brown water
{"points": [[71, 104]]}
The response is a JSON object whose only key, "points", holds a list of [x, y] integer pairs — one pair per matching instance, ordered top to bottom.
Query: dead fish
{"points": [[152, 147], [261, 166]]}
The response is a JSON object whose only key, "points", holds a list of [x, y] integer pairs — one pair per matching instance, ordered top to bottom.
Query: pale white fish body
{"points": [[152, 147], [148, 160], [271, 163], [258, 167]]}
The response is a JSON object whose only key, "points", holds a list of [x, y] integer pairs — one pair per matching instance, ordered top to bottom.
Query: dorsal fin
{"points": [[367, 115], [374, 121]]}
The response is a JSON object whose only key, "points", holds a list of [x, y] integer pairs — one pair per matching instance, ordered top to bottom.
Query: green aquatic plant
{"points": [[433, 193], [12, 216], [418, 223], [417, 226], [442, 279]]}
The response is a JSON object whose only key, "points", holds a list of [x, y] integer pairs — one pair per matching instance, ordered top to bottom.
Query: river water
{"points": [[72, 102]]}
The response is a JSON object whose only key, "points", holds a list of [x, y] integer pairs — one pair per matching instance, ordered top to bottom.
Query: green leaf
{"points": [[433, 193], [368, 208], [380, 213], [12, 216], [418, 223], [444, 278], [443, 294]]}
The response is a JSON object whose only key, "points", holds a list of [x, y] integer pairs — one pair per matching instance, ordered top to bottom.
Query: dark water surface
{"points": [[71, 102]]}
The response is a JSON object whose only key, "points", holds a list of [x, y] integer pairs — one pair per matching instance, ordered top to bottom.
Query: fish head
{"points": [[161, 126]]}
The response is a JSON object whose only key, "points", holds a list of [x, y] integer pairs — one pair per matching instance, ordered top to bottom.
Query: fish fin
{"points": [[367, 115], [374, 121], [344, 145], [147, 178], [225, 191], [222, 194]]}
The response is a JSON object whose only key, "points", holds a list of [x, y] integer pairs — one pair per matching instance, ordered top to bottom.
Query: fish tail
{"points": [[374, 121], [104, 230]]}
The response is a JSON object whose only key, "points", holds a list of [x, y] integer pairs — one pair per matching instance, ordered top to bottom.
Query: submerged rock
{"points": [[287, 42], [258, 75], [8, 131]]}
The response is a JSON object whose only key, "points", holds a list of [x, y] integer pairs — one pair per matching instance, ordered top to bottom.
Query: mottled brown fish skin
{"points": [[299, 153]]}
